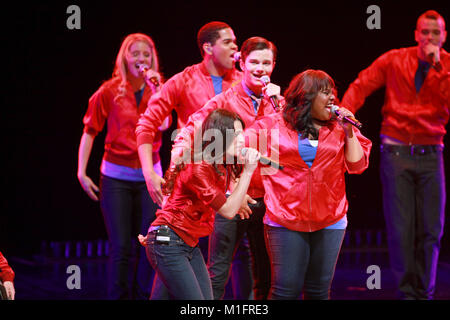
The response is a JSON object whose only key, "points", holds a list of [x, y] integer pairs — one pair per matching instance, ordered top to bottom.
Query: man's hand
{"points": [[432, 53], [154, 182]]}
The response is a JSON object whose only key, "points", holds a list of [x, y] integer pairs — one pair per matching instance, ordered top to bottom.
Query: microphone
{"points": [[237, 56], [434, 64], [143, 68], [273, 99], [335, 109], [264, 160]]}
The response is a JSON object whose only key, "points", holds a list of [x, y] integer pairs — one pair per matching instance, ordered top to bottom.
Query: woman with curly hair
{"points": [[306, 204]]}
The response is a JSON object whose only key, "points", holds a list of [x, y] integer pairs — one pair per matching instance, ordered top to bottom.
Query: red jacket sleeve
{"points": [[159, 107], [98, 110], [203, 185], [6, 272]]}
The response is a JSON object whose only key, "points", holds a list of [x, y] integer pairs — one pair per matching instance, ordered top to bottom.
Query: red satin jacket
{"points": [[186, 92], [236, 100], [121, 115], [408, 116], [198, 193], [302, 198], [6, 273]]}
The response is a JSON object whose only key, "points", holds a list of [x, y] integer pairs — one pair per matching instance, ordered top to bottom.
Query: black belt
{"points": [[414, 149]]}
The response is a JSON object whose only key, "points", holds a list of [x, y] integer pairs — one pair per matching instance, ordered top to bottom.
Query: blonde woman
{"points": [[126, 206]]}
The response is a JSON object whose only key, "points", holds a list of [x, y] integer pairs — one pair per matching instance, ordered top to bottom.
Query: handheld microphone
{"points": [[237, 56], [434, 64], [143, 68], [273, 99], [335, 109], [265, 160]]}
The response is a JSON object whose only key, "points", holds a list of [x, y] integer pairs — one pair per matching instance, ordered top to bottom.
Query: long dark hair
{"points": [[300, 95], [220, 124]]}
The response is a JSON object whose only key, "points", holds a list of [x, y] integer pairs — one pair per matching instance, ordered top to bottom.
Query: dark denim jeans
{"points": [[413, 202], [127, 211], [223, 244], [302, 261], [181, 269]]}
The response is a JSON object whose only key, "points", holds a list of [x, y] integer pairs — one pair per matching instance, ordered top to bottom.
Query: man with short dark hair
{"points": [[188, 91], [415, 112]]}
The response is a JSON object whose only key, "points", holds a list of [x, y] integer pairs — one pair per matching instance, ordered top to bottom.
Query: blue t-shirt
{"points": [[217, 83], [307, 150]]}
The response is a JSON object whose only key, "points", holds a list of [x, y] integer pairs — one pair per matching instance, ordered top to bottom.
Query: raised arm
{"points": [[234, 201]]}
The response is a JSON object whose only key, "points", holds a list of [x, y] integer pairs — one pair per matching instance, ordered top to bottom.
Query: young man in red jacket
{"points": [[188, 91], [415, 113]]}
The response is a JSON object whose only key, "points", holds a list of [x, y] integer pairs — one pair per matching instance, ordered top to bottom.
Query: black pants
{"points": [[413, 184], [127, 211], [223, 243]]}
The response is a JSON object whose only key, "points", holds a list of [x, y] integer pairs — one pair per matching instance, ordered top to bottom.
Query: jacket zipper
{"points": [[309, 195]]}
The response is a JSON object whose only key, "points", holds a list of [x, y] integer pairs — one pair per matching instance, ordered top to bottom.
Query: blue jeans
{"points": [[413, 203], [127, 211], [223, 244], [302, 261], [181, 269]]}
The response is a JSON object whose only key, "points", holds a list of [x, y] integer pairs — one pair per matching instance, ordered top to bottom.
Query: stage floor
{"points": [[46, 279]]}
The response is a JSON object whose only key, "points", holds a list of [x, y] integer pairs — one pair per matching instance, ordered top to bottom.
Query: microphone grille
{"points": [[237, 56], [143, 67], [265, 79], [334, 108]]}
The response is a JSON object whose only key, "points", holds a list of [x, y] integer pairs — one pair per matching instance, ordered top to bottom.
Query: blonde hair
{"points": [[120, 68]]}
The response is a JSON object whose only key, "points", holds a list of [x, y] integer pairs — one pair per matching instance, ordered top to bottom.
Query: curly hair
{"points": [[300, 96]]}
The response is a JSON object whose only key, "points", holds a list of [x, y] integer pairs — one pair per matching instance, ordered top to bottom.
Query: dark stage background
{"points": [[51, 72]]}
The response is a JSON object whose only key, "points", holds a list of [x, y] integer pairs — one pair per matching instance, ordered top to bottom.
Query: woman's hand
{"points": [[153, 80], [347, 126], [251, 158], [88, 186], [142, 240]]}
